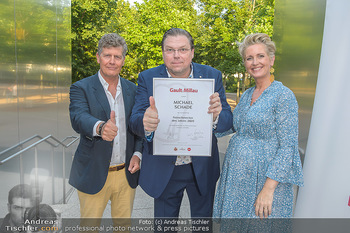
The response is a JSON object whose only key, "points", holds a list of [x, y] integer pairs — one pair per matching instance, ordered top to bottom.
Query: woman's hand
{"points": [[263, 203]]}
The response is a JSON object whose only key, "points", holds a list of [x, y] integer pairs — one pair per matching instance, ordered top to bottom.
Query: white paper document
{"points": [[185, 126]]}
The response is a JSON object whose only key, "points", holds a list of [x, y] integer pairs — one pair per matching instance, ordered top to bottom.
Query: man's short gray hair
{"points": [[112, 40]]}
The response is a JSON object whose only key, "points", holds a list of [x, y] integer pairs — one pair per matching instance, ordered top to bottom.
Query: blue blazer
{"points": [[89, 104], [157, 170]]}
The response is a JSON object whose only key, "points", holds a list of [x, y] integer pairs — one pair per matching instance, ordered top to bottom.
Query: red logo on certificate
{"points": [[189, 149]]}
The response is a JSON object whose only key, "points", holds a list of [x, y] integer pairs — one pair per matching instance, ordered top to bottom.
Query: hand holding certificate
{"points": [[185, 126]]}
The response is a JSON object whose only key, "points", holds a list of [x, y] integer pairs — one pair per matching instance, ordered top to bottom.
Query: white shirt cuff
{"points": [[215, 122], [94, 129], [147, 133], [138, 154]]}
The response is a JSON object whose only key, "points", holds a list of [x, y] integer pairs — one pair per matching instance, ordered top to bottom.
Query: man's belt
{"points": [[117, 168]]}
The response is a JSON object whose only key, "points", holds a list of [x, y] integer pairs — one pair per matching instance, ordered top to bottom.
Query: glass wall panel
{"points": [[298, 33], [63, 66], [35, 75], [8, 76]]}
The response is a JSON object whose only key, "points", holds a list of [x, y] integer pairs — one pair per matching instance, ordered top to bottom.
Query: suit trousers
{"points": [[118, 191], [168, 204]]}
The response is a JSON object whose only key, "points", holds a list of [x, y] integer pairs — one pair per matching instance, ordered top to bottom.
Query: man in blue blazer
{"points": [[106, 162], [166, 177]]}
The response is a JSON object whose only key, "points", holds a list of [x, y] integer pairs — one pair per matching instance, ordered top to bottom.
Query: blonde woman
{"points": [[262, 161]]}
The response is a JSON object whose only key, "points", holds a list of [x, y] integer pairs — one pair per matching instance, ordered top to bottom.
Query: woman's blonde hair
{"points": [[257, 38]]}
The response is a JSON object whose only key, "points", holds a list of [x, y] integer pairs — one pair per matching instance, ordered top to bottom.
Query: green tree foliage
{"points": [[90, 20], [223, 24], [143, 26], [216, 26], [34, 32], [34, 39]]}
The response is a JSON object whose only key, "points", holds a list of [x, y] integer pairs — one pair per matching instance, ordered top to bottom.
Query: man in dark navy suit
{"points": [[106, 163], [166, 177]]}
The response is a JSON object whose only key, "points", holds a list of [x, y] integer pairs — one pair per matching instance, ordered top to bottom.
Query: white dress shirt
{"points": [[116, 104], [182, 159]]}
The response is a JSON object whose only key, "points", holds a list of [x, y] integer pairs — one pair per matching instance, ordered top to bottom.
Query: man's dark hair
{"points": [[178, 32], [21, 191]]}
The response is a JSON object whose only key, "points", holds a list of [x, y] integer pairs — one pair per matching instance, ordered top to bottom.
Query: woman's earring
{"points": [[272, 77]]}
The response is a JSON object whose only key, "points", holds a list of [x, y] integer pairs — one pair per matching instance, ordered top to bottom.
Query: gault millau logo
{"points": [[189, 149]]}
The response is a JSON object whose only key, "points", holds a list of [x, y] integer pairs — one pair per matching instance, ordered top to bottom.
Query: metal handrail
{"points": [[45, 139], [20, 143], [34, 145]]}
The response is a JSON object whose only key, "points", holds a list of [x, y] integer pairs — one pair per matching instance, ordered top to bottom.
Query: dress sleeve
{"points": [[286, 166]]}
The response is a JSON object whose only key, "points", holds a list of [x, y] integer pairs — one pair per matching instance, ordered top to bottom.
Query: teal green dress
{"points": [[265, 145]]}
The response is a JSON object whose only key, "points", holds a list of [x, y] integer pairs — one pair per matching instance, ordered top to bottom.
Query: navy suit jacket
{"points": [[89, 104], [157, 170]]}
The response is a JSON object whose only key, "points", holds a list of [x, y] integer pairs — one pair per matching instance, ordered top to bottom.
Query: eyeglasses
{"points": [[172, 51]]}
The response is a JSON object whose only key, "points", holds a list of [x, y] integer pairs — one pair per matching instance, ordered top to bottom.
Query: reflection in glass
{"points": [[298, 33], [35, 75]]}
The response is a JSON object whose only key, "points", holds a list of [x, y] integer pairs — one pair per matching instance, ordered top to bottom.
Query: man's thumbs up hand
{"points": [[152, 104], [150, 118], [110, 130]]}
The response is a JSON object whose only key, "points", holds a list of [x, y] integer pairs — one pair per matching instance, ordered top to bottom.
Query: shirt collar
{"points": [[190, 76], [105, 85]]}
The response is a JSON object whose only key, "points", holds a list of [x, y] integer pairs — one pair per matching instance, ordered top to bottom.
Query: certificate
{"points": [[185, 126]]}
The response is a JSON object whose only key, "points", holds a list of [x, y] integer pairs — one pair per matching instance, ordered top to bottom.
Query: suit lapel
{"points": [[197, 72], [163, 73], [100, 95], [126, 95]]}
